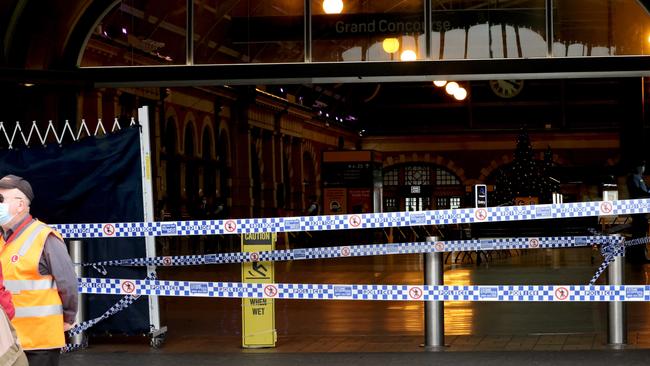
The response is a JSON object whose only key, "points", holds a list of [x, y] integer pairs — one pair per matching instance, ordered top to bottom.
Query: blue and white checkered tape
{"points": [[360, 221], [614, 249], [366, 250], [528, 293]]}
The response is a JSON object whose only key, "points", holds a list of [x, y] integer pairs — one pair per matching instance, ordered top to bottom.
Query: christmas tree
{"points": [[524, 168], [526, 177], [550, 185], [503, 192]]}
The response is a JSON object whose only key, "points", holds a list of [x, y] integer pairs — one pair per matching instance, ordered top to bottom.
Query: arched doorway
{"points": [[417, 187]]}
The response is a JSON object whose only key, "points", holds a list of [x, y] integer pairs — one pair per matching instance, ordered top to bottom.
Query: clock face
{"points": [[506, 88]]}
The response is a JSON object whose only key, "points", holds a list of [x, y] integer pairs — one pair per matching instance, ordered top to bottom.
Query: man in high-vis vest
{"points": [[39, 273]]}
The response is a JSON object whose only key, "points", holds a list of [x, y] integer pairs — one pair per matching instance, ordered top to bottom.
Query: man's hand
{"points": [[67, 327]]}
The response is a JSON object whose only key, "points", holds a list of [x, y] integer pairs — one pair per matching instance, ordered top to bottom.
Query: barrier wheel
{"points": [[157, 342]]}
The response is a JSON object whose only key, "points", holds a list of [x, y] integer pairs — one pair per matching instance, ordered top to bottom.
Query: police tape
{"points": [[355, 221], [364, 250], [613, 250], [527, 293], [122, 304]]}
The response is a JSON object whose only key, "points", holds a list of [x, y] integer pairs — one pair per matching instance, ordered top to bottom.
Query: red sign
{"points": [[359, 200], [335, 201], [606, 207], [480, 214], [355, 220], [230, 226], [109, 229], [533, 243], [439, 246], [345, 251], [254, 257], [167, 261], [128, 287], [270, 291], [415, 293], [561, 293]]}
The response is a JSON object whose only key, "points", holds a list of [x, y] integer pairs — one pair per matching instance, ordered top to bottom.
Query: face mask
{"points": [[5, 217]]}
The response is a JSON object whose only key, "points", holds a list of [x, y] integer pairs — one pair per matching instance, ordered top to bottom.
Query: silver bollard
{"points": [[76, 254], [434, 311], [617, 323]]}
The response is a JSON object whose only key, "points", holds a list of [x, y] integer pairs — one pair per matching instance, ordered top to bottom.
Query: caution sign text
{"points": [[258, 315]]}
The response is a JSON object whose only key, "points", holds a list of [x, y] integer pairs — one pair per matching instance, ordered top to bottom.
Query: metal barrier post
{"points": [[76, 254], [434, 314], [617, 323]]}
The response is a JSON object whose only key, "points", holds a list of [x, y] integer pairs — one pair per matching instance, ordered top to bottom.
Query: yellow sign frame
{"points": [[258, 315]]}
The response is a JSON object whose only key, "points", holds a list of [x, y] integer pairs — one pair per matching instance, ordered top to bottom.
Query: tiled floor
{"points": [[214, 325]]}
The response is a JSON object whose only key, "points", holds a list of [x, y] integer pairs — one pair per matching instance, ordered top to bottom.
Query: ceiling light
{"points": [[333, 6], [391, 45], [408, 55], [440, 83], [452, 87], [460, 94]]}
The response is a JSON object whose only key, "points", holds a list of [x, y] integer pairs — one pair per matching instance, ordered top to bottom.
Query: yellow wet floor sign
{"points": [[258, 315]]}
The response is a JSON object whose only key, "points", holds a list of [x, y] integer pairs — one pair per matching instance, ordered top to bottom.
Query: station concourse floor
{"points": [[204, 331]]}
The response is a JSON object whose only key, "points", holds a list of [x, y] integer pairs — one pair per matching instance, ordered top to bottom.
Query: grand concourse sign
{"points": [[290, 28]]}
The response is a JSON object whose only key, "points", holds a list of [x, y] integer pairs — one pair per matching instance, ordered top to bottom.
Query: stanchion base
{"points": [[158, 337], [618, 346], [434, 348]]}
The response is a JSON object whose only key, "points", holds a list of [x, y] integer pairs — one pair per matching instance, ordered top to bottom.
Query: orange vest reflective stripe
{"points": [[39, 312]]}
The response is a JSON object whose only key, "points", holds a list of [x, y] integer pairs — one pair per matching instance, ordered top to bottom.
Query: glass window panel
{"points": [[363, 26], [600, 28], [473, 29], [259, 31], [139, 32], [417, 175], [391, 177], [445, 178], [454, 202], [412, 203], [426, 203], [442, 203], [390, 204]]}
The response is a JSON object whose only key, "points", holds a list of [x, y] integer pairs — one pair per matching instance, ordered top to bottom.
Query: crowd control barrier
{"points": [[433, 291]]}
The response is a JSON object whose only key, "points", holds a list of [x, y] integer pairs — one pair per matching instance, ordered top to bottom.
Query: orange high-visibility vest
{"points": [[39, 311]]}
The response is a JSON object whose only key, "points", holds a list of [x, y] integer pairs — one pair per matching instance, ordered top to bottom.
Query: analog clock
{"points": [[506, 88]]}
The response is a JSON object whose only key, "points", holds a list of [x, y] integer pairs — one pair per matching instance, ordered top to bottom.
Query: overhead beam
{"points": [[646, 5], [342, 72]]}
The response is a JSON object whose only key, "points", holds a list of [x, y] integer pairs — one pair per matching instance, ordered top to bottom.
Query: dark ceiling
{"points": [[44, 35], [422, 108]]}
